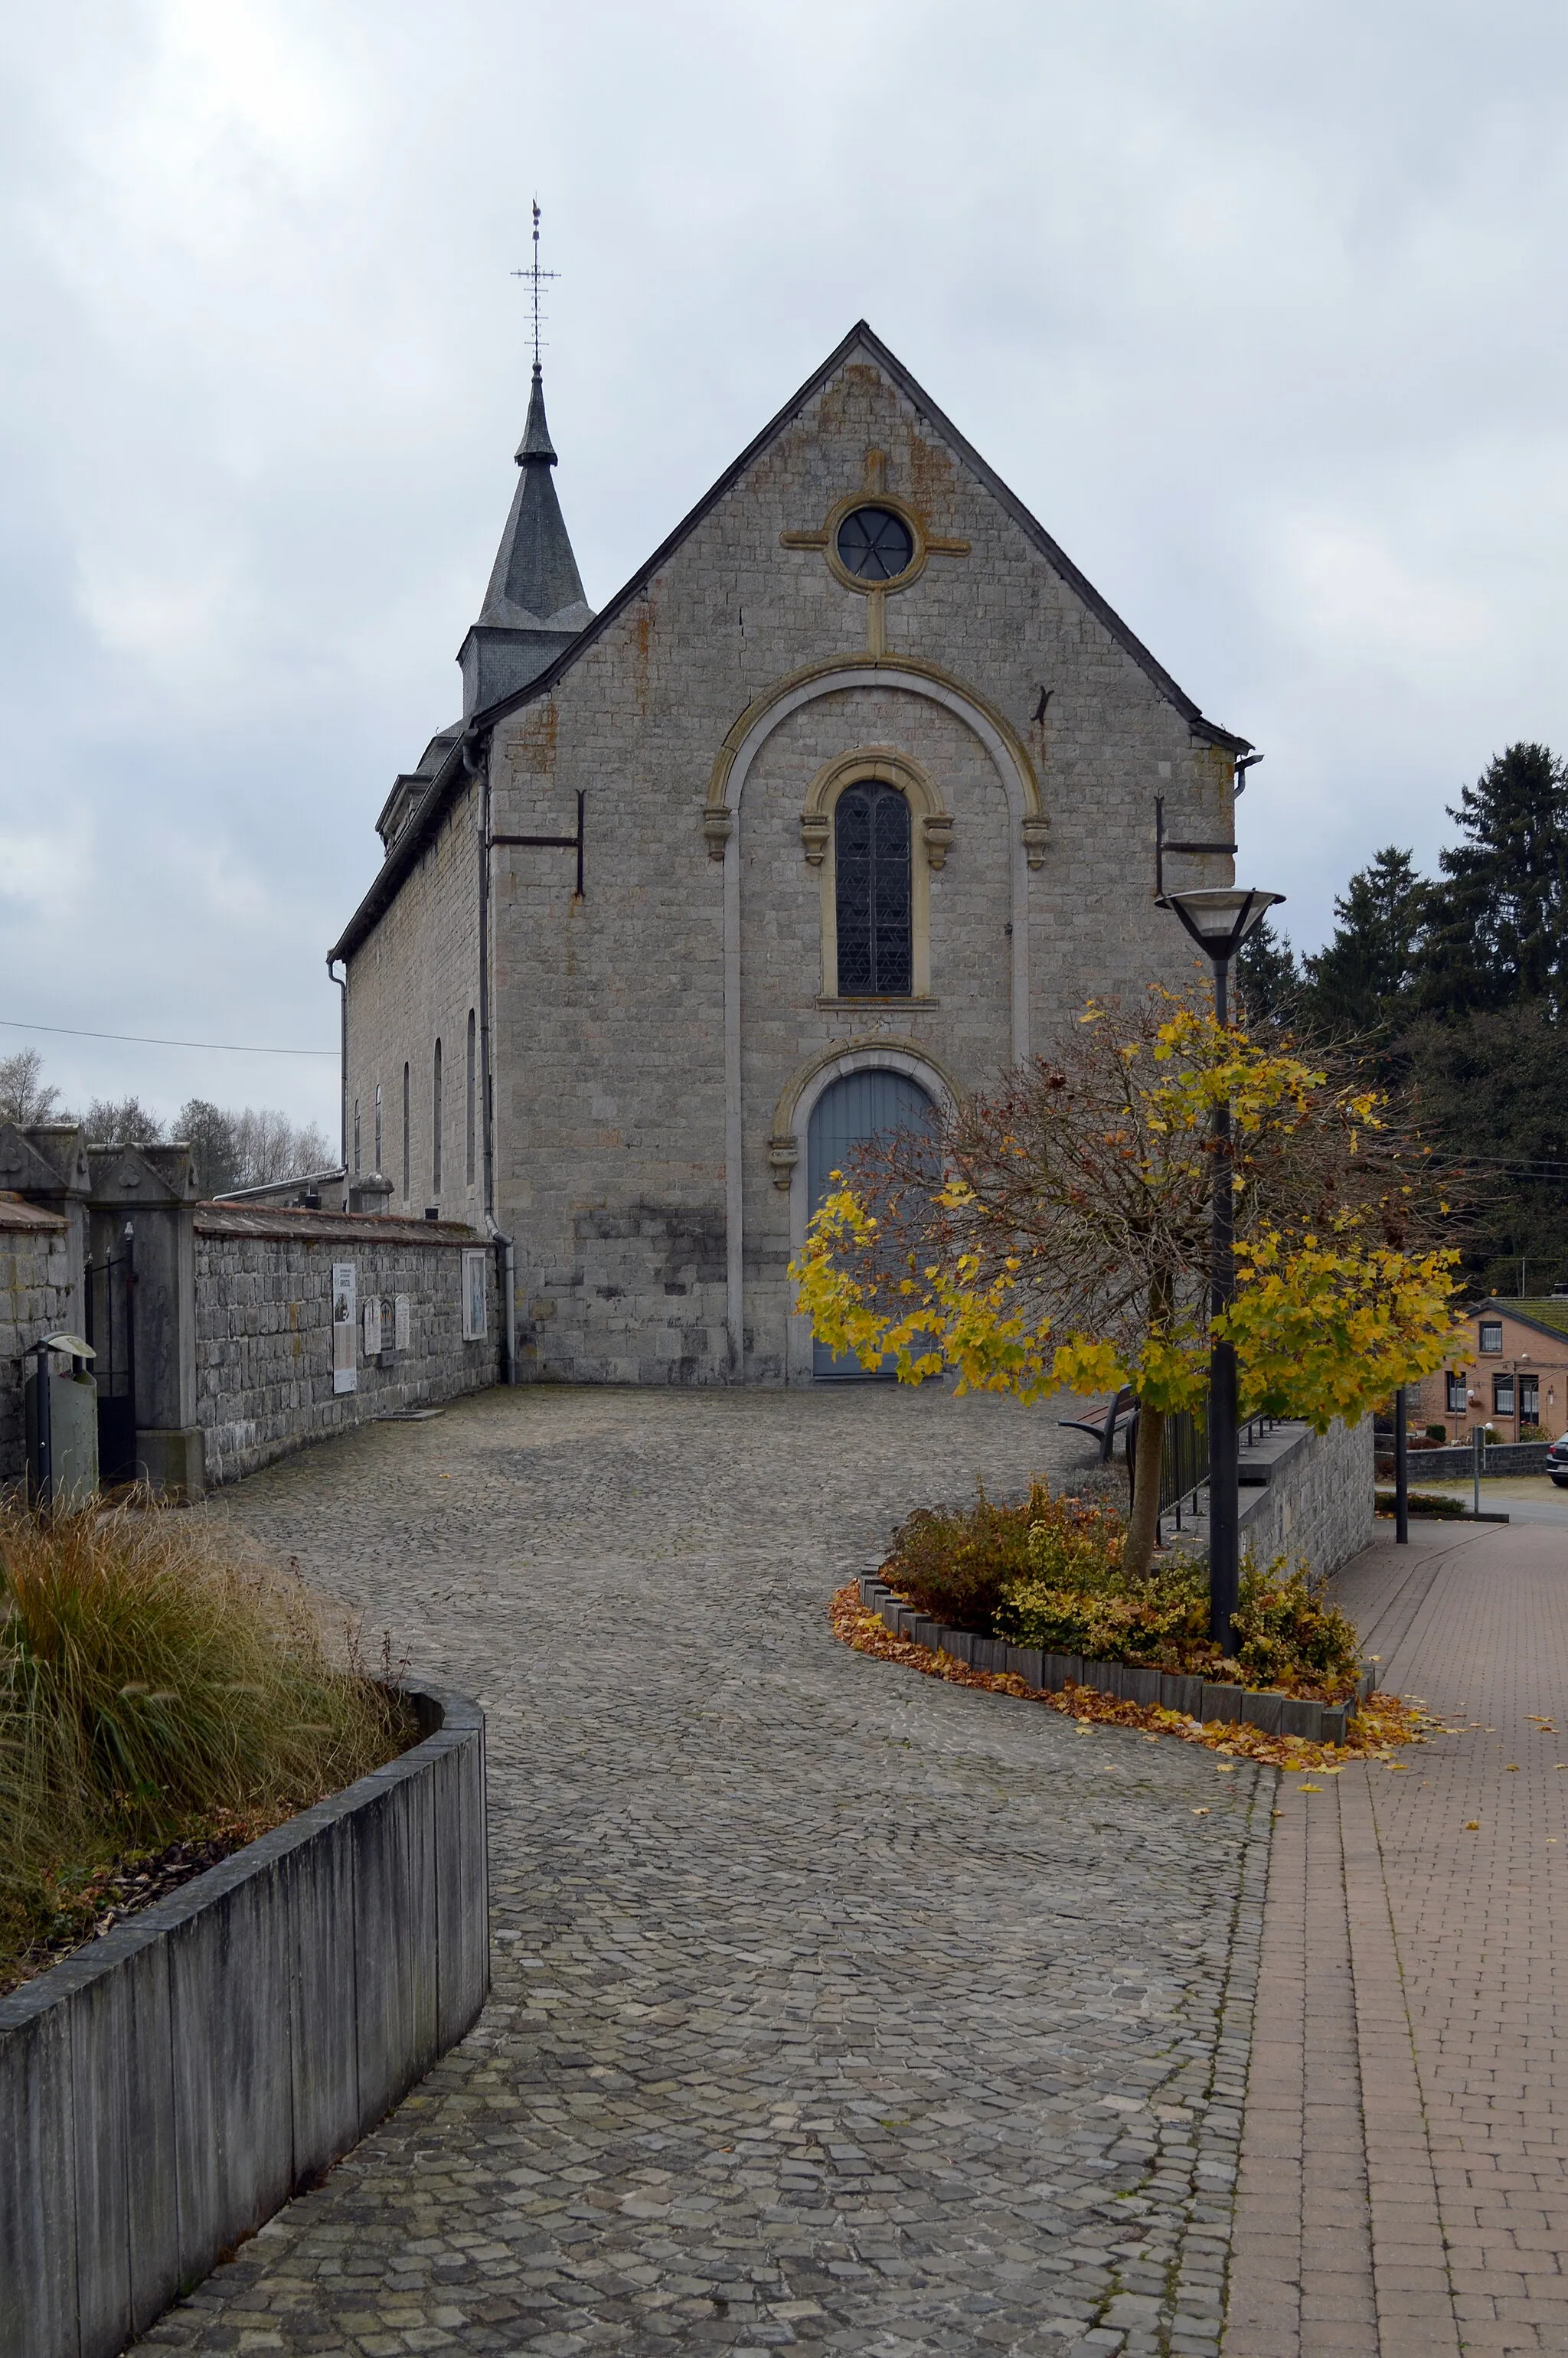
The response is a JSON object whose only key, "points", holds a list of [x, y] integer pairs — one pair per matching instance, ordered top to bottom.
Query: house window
{"points": [[873, 892], [468, 1102], [435, 1121], [356, 1138], [377, 1165], [407, 1166], [1492, 1335], [1457, 1395], [1502, 1396], [1530, 1399]]}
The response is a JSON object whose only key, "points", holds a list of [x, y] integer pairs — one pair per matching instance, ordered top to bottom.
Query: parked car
{"points": [[1557, 1462]]}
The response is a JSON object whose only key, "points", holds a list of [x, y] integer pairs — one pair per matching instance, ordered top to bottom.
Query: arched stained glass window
{"points": [[872, 876]]}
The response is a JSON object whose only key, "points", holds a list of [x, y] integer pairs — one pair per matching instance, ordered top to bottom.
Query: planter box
{"points": [[1276, 1714], [165, 2090]]}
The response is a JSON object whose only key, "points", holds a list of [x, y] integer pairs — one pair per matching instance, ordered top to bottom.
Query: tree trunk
{"points": [[1143, 1523]]}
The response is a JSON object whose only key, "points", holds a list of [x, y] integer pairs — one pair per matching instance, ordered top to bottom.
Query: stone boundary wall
{"points": [[37, 1298], [263, 1325], [1458, 1464], [1318, 1501], [165, 2090]]}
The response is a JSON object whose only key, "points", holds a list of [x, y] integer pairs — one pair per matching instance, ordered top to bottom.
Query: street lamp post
{"points": [[1220, 922]]}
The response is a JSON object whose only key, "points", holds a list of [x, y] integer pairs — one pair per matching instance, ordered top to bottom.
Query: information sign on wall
{"points": [[473, 1296], [345, 1311], [401, 1323], [373, 1326]]}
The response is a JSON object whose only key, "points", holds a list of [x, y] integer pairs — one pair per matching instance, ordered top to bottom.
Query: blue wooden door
{"points": [[851, 1110]]}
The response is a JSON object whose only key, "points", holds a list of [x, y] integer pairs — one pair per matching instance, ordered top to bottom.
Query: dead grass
{"points": [[152, 1689]]}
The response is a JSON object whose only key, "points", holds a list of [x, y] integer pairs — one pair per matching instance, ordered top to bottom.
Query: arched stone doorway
{"points": [[874, 1102]]}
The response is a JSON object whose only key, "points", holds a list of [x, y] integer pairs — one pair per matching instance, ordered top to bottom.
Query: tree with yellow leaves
{"points": [[1057, 1234]]}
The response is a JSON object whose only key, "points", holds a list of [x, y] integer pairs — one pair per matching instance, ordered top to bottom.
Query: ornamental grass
{"points": [[1050, 1571], [154, 1690]]}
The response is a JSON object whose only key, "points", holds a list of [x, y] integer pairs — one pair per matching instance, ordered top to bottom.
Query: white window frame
{"points": [[473, 1281]]}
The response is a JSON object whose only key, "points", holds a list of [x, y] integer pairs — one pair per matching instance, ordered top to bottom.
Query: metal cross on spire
{"points": [[536, 278]]}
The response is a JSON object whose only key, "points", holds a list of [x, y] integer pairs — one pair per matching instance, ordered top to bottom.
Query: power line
{"points": [[144, 1040]]}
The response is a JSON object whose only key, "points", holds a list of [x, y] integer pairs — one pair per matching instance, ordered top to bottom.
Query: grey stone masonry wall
{"points": [[37, 1298], [263, 1325], [1318, 1500]]}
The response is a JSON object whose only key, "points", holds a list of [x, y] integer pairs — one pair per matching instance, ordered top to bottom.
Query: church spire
{"points": [[535, 584], [534, 603]]}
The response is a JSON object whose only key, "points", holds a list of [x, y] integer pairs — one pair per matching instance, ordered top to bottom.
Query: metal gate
{"points": [[112, 1331]]}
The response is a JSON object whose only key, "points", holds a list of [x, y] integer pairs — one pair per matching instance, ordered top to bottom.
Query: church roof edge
{"points": [[862, 334]]}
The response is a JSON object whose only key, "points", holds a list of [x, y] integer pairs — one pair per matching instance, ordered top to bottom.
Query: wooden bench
{"points": [[1103, 1425]]}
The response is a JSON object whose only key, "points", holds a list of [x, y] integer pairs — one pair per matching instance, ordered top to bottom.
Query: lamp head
{"points": [[1220, 920]]}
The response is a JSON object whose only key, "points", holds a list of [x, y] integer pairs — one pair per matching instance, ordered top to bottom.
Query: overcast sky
{"points": [[1257, 304]]}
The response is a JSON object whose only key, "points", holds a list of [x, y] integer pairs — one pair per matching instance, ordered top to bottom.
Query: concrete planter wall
{"points": [[1200, 1698], [164, 2091]]}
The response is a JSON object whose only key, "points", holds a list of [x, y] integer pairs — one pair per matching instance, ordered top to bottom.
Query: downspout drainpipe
{"points": [[476, 761], [342, 982]]}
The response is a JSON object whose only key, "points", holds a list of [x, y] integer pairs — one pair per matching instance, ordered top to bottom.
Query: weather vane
{"points": [[536, 277]]}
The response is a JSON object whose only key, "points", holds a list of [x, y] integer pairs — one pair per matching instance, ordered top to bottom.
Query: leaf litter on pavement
{"points": [[1381, 1722]]}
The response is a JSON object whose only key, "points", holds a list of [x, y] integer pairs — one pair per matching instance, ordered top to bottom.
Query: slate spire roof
{"points": [[535, 584]]}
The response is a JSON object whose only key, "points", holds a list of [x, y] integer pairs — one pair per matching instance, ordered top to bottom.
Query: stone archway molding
{"points": [[726, 788], [806, 1083]]}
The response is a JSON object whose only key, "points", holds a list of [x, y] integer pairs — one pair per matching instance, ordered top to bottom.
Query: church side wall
{"points": [[412, 983]]}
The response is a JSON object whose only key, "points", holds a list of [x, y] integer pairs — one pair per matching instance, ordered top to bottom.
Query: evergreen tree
{"points": [[1495, 930], [1267, 976], [1361, 984], [1491, 1094]]}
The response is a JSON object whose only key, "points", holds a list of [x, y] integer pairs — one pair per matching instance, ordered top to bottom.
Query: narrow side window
{"points": [[468, 1106]]}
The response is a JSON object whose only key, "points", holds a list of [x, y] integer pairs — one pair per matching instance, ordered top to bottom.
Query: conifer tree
{"points": [[1495, 926], [1361, 984]]}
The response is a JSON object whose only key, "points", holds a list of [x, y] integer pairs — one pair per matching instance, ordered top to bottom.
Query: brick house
{"points": [[842, 806], [1519, 1373]]}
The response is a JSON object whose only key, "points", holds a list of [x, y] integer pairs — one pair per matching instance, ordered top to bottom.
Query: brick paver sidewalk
{"points": [[835, 2006], [1404, 2174]]}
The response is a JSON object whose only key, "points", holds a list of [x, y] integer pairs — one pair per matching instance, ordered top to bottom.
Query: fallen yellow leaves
{"points": [[1381, 1723]]}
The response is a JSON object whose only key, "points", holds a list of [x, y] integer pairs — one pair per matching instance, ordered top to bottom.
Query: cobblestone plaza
{"points": [[834, 2008]]}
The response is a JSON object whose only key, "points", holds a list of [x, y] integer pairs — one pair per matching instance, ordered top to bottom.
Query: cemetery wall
{"points": [[37, 1297], [275, 1368]]}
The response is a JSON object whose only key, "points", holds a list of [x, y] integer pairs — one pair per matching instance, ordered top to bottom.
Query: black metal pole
{"points": [[43, 1410], [1401, 1469], [1224, 1560]]}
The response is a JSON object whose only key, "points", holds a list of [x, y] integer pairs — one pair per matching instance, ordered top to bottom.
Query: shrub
{"points": [[1437, 1432], [1532, 1432], [1425, 1502], [954, 1561], [1051, 1573], [1097, 1612], [1289, 1635], [148, 1683]]}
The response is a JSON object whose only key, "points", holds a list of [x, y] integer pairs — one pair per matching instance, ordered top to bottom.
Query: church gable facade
{"points": [[843, 806]]}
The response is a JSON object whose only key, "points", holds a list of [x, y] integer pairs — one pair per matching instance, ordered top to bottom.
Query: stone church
{"points": [[844, 804]]}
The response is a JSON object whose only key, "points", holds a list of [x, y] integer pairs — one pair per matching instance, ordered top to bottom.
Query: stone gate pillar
{"points": [[152, 1189]]}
